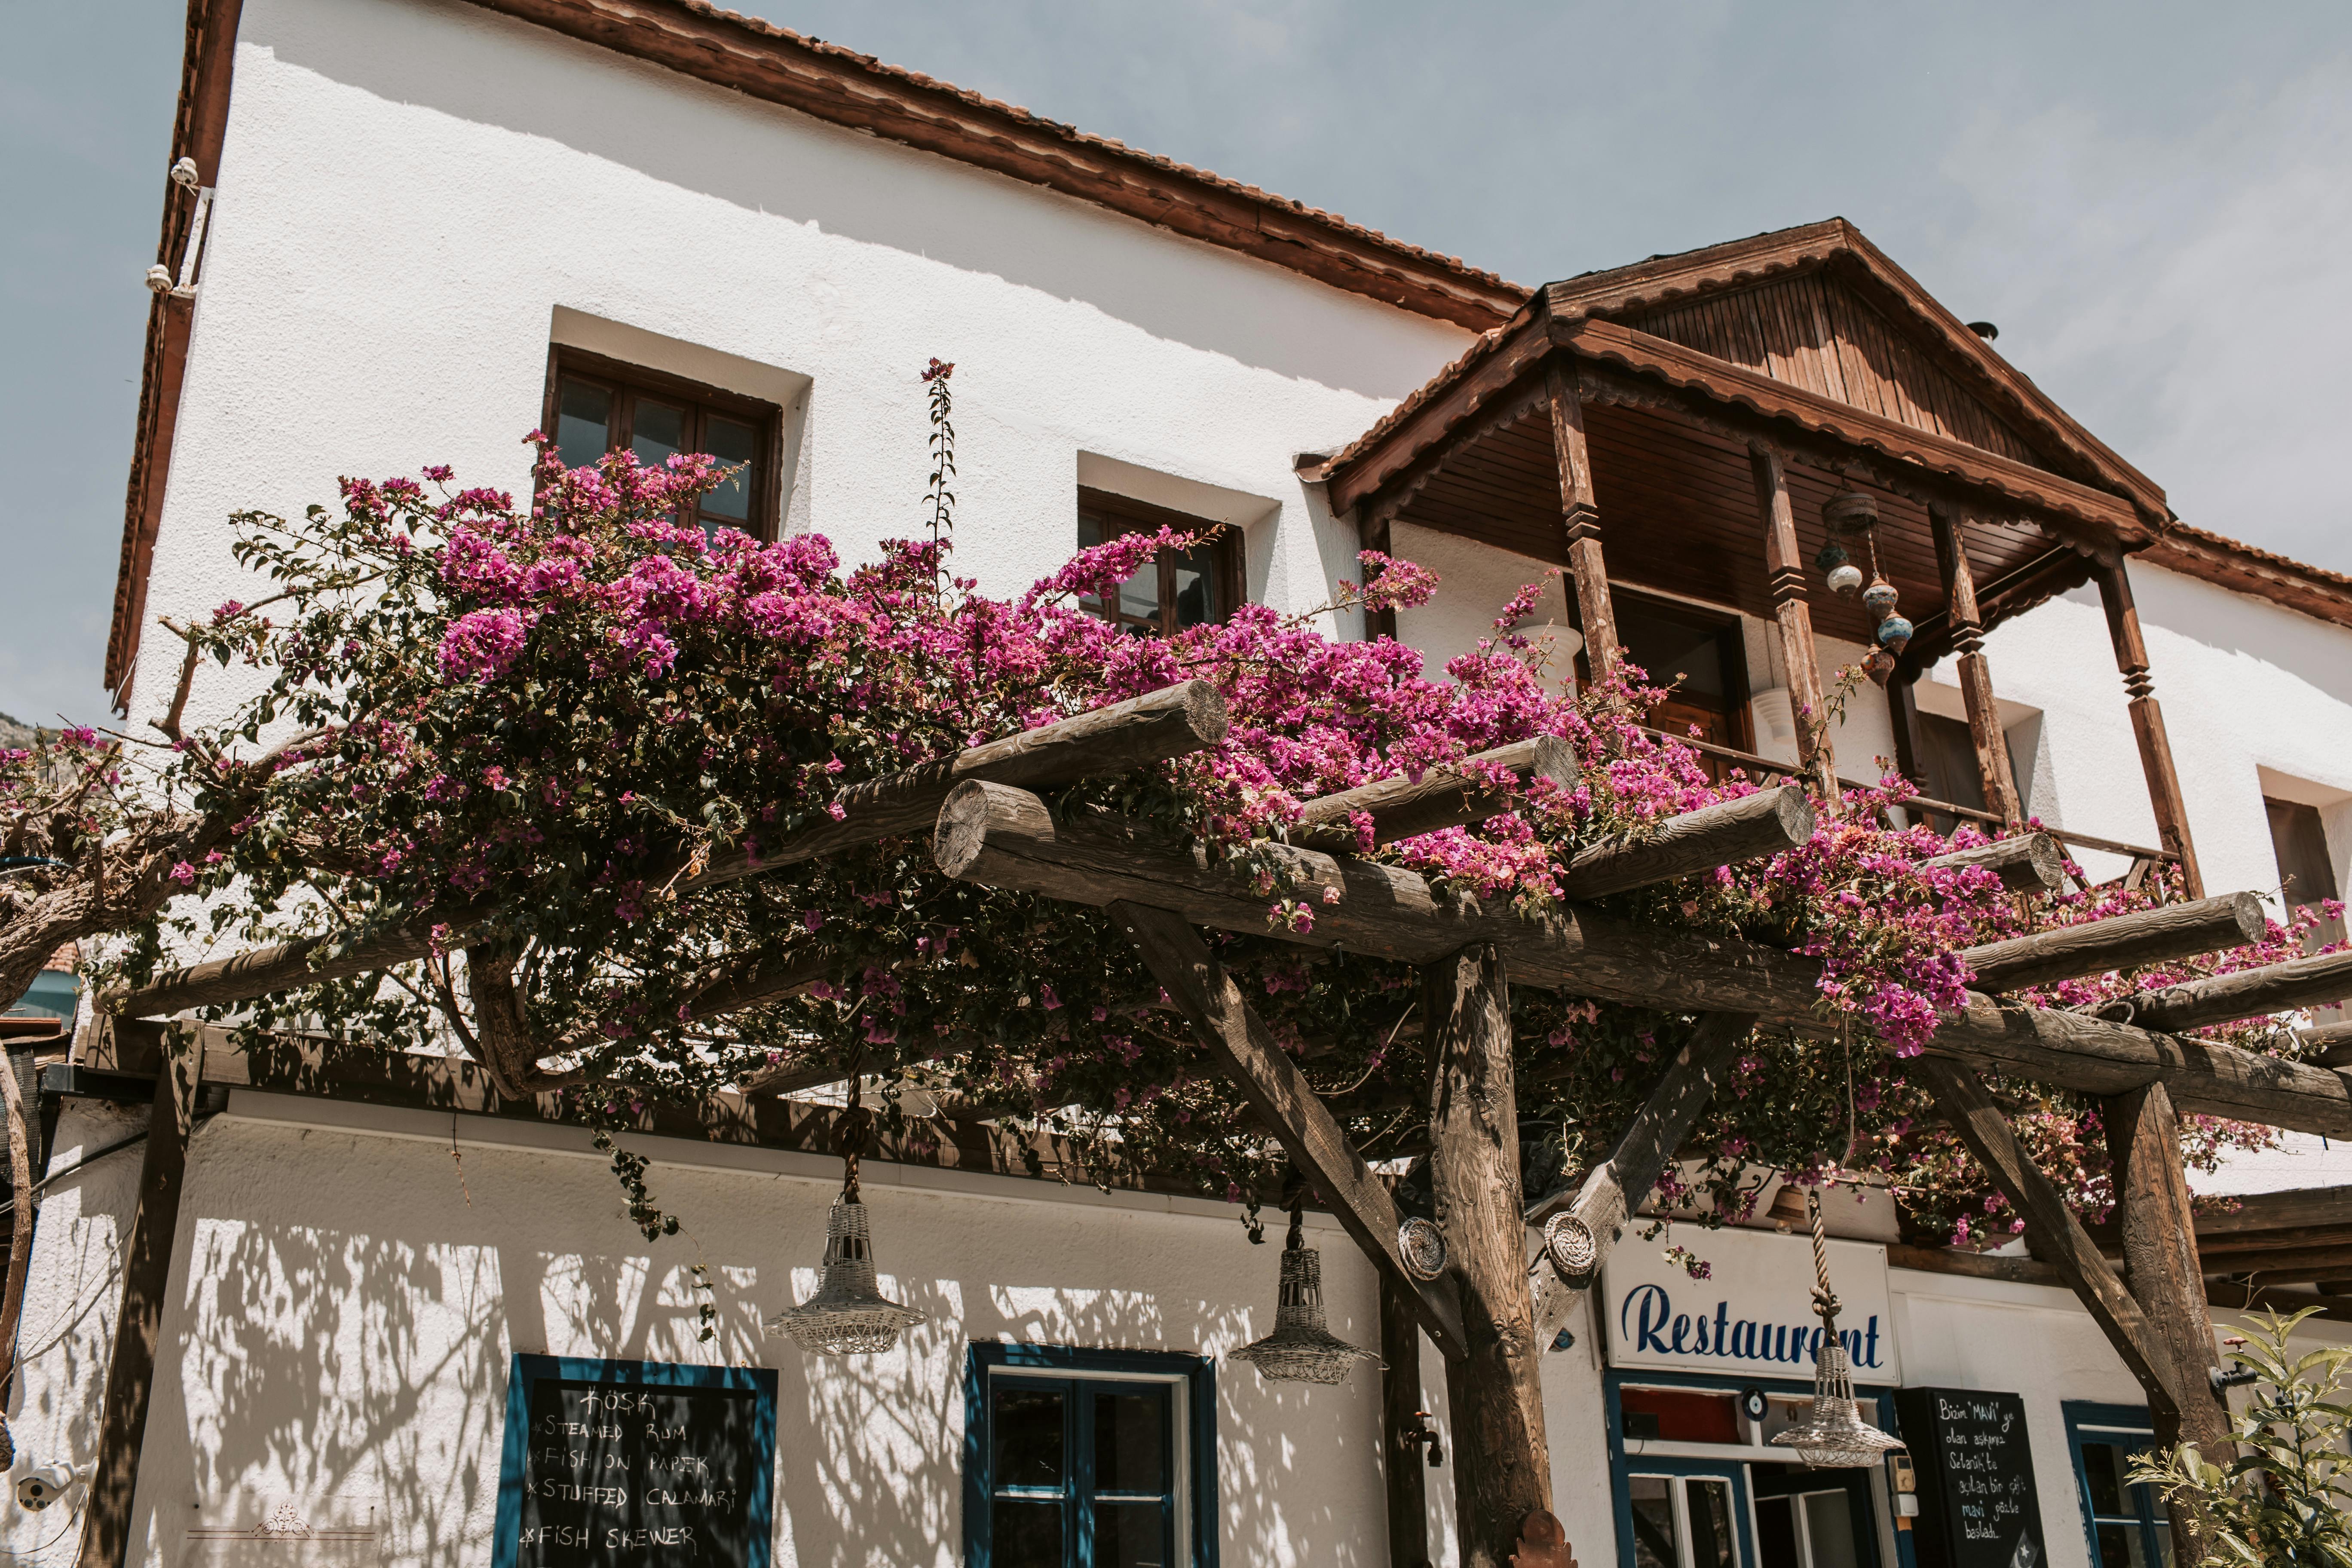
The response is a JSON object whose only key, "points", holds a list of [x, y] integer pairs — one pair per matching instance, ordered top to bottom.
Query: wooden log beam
{"points": [[1171, 723], [1441, 797], [1745, 827], [1007, 838], [2029, 863], [2124, 941], [2314, 982], [2329, 1045], [1245, 1049], [1616, 1187], [2058, 1236], [2284, 1263], [2162, 1271], [146, 1287], [1502, 1459], [1403, 1467]]}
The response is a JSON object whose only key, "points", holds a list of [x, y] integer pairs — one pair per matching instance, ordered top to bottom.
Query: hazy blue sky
{"points": [[2153, 201]]}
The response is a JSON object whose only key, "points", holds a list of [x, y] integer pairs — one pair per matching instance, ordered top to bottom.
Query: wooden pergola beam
{"points": [[1170, 722], [1441, 797], [1745, 827], [1007, 838], [2029, 863], [2121, 942], [2314, 982], [1244, 1047], [1612, 1190], [2061, 1238], [146, 1280], [1502, 1475]]}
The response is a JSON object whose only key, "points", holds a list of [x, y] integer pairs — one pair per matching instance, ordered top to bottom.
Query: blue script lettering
{"points": [[1648, 1319]]}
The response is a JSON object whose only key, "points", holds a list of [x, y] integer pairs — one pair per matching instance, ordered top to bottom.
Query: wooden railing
{"points": [[1939, 807]]}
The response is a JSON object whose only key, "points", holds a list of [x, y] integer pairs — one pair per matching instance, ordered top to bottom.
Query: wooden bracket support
{"points": [[1233, 1033], [1618, 1184], [2061, 1238]]}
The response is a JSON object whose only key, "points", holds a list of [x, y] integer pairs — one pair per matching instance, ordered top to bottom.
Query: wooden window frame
{"points": [[627, 382], [1225, 543], [1731, 650], [1194, 1381]]}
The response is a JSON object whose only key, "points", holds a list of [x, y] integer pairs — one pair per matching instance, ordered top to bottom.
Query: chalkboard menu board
{"points": [[610, 1462], [1978, 1507]]}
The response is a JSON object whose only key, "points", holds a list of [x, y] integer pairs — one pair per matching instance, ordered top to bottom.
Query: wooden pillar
{"points": [[1581, 522], [1784, 568], [1379, 623], [1976, 677], [1903, 714], [2148, 722], [2164, 1275], [146, 1279], [1405, 1466], [1502, 1475]]}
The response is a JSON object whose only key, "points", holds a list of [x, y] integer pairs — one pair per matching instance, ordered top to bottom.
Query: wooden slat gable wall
{"points": [[1814, 331]]}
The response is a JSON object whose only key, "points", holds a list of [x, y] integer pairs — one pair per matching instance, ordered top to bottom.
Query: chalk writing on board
{"points": [[1976, 1465], [611, 1473]]}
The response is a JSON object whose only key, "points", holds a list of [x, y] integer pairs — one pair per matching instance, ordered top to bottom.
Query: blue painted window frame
{"points": [[526, 1368], [1197, 1374], [1621, 1474], [2155, 1532]]}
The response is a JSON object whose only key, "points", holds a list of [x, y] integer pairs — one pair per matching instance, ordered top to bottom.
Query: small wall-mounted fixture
{"points": [[160, 278], [1984, 329]]}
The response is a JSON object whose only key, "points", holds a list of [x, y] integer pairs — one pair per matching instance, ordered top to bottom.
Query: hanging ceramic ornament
{"points": [[1837, 568], [1880, 598], [1895, 634], [1879, 665], [848, 1315], [1301, 1349], [1835, 1436]]}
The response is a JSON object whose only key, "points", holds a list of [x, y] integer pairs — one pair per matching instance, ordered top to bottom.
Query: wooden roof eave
{"points": [[1668, 281], [1502, 376], [2104, 523]]}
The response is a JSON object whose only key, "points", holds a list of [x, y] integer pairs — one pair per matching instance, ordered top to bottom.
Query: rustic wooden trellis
{"points": [[991, 826]]}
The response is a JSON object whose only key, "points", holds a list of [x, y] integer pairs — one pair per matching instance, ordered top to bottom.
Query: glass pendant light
{"points": [[1835, 1436]]}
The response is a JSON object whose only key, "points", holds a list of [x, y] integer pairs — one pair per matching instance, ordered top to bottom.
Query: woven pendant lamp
{"points": [[848, 1315], [1301, 1349], [1835, 1436]]}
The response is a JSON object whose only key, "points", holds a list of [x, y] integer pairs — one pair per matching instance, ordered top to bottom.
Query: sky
{"points": [[2152, 201]]}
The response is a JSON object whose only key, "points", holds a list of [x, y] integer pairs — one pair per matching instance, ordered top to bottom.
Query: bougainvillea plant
{"points": [[562, 734]]}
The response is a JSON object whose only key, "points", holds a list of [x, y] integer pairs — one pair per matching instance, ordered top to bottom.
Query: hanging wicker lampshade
{"points": [[848, 1315], [1300, 1349], [1835, 1436]]}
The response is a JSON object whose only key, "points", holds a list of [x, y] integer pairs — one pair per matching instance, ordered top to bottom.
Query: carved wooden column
{"points": [[1581, 517], [1784, 567], [1976, 677], [2148, 722], [2163, 1274], [1404, 1464], [1502, 1475]]}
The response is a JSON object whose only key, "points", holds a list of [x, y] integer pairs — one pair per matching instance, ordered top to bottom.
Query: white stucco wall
{"points": [[411, 189], [2246, 686], [346, 1296]]}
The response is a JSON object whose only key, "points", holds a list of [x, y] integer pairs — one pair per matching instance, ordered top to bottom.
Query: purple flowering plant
{"points": [[562, 736]]}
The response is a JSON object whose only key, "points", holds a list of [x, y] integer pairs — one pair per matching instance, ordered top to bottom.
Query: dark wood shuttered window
{"points": [[596, 406], [1180, 588]]}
